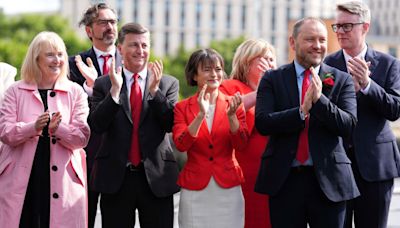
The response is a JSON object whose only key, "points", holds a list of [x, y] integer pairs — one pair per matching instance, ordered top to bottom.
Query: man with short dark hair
{"points": [[306, 108], [133, 109], [372, 148]]}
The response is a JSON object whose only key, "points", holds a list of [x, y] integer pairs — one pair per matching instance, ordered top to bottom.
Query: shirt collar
{"points": [[100, 53], [361, 55], [300, 69], [128, 74]]}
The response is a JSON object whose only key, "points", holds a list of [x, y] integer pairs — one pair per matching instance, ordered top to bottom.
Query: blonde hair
{"points": [[358, 8], [245, 53], [30, 71]]}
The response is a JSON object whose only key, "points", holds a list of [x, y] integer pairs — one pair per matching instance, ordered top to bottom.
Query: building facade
{"points": [[195, 23]]}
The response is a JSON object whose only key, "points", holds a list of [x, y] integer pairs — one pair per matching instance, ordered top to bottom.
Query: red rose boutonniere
{"points": [[329, 80]]}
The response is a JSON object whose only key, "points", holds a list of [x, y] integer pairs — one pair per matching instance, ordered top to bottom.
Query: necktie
{"points": [[106, 68], [136, 108], [302, 149]]}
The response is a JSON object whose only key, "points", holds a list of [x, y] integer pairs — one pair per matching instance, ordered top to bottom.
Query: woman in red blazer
{"points": [[252, 58], [209, 126]]}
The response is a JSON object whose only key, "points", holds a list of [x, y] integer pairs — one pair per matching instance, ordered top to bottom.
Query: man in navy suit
{"points": [[100, 23], [372, 148], [134, 167], [304, 168]]}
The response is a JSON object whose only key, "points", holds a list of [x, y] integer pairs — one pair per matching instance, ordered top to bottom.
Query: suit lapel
{"points": [[93, 56], [370, 57], [290, 78], [124, 99], [145, 104], [193, 110], [219, 114]]}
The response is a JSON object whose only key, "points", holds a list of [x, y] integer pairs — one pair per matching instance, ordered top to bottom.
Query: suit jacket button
{"points": [[52, 94], [53, 140], [210, 146], [211, 159], [54, 168], [55, 195]]}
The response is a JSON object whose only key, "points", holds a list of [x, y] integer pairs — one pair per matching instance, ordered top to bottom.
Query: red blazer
{"points": [[209, 154]]}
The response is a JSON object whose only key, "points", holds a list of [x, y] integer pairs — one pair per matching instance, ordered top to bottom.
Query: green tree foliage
{"points": [[18, 31], [175, 65]]}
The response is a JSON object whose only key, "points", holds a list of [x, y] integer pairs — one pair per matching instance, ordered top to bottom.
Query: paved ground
{"points": [[394, 216]]}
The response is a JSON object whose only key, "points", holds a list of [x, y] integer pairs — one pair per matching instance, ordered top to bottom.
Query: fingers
{"points": [[78, 59], [89, 62], [234, 103], [42, 121], [55, 122]]}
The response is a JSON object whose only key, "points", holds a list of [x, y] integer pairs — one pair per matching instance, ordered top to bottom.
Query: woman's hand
{"points": [[203, 100], [234, 103], [42, 121], [54, 122]]}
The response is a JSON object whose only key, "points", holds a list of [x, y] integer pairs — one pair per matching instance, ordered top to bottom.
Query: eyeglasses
{"points": [[104, 22], [347, 27]]}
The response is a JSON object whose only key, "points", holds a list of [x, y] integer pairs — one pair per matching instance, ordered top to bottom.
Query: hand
{"points": [[263, 66], [359, 69], [156, 70], [89, 72], [116, 79], [356, 83], [316, 85], [203, 100], [307, 101], [234, 103], [42, 121], [54, 122]]}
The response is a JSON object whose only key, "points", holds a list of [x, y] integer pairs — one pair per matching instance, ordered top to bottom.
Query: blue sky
{"points": [[23, 6]]}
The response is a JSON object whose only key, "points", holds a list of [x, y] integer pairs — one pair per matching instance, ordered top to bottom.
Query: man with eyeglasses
{"points": [[100, 23], [372, 148]]}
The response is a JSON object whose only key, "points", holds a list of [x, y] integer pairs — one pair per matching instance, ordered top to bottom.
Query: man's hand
{"points": [[359, 69], [156, 70], [89, 72], [116, 80], [316, 85]]}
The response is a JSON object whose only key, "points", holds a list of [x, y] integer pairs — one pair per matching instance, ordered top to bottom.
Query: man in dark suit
{"points": [[100, 23], [372, 148], [135, 167], [304, 168]]}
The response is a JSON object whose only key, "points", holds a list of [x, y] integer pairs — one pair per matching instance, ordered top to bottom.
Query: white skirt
{"points": [[212, 207]]}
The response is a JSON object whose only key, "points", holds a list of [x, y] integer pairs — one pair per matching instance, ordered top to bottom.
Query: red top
{"points": [[209, 154], [249, 158]]}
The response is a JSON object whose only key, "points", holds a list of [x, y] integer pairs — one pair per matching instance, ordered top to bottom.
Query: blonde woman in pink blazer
{"points": [[43, 129]]}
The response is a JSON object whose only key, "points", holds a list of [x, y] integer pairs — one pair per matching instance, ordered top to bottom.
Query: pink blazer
{"points": [[21, 107], [209, 154]]}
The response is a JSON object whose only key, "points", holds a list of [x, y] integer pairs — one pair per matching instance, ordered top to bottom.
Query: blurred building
{"points": [[195, 23], [384, 34]]}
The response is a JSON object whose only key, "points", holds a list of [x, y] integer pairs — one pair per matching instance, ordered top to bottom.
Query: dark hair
{"points": [[92, 13], [297, 25], [131, 28], [202, 57]]}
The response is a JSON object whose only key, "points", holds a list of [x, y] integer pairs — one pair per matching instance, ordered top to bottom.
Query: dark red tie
{"points": [[106, 68], [136, 108], [302, 149]]}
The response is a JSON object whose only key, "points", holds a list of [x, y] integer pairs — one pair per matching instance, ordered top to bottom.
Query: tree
{"points": [[18, 31]]}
